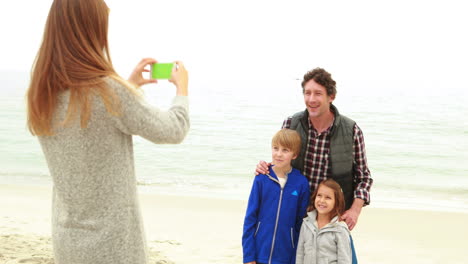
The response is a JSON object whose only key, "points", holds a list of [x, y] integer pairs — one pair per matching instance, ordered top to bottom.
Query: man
{"points": [[332, 145]]}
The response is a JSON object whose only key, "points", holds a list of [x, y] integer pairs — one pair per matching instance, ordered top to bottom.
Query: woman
{"points": [[84, 115]]}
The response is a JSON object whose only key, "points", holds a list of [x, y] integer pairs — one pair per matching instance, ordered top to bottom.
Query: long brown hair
{"points": [[74, 55], [339, 197]]}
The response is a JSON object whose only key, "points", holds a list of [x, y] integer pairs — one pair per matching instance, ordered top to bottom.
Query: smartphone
{"points": [[161, 70]]}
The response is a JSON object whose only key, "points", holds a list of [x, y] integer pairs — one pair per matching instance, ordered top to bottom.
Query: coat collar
{"points": [[336, 122], [311, 222]]}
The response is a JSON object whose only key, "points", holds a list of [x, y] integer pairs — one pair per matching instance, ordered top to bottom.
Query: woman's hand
{"points": [[136, 77], [179, 78]]}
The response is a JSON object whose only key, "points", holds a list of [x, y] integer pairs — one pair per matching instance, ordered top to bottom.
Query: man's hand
{"points": [[262, 168], [351, 216], [252, 262]]}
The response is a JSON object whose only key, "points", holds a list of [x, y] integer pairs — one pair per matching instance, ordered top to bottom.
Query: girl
{"points": [[323, 238]]}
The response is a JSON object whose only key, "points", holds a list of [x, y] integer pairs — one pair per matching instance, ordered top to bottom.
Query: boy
{"points": [[277, 204]]}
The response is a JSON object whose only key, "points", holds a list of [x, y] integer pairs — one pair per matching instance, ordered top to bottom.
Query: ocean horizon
{"points": [[415, 135]]}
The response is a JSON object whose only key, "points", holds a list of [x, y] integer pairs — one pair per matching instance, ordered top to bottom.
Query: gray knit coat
{"points": [[96, 217]]}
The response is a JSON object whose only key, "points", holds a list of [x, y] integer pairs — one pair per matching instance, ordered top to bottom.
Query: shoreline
{"points": [[380, 199], [185, 229]]}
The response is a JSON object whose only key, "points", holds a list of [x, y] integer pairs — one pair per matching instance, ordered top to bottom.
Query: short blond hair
{"points": [[288, 138]]}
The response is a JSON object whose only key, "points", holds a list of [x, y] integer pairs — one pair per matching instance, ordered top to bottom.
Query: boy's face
{"points": [[282, 156]]}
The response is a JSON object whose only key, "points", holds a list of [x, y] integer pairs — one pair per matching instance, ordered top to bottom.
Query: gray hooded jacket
{"points": [[330, 244]]}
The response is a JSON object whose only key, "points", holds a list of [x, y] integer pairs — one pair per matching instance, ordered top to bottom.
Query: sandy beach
{"points": [[208, 230]]}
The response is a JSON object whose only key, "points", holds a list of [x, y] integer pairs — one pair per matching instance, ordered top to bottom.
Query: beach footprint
{"points": [[172, 242], [25, 249], [43, 259]]}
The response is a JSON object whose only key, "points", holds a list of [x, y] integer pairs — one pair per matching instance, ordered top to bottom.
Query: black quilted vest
{"points": [[341, 150]]}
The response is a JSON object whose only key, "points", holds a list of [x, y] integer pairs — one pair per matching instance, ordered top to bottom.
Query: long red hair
{"points": [[74, 55]]}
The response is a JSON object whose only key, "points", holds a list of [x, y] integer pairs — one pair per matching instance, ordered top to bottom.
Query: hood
{"points": [[312, 216]]}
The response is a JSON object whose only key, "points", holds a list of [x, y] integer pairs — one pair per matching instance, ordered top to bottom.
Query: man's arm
{"points": [[287, 123], [262, 168], [362, 179], [351, 215]]}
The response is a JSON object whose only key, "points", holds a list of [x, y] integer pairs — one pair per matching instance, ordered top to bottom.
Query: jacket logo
{"points": [[294, 193]]}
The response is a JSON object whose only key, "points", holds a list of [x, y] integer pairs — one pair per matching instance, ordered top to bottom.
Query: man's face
{"points": [[316, 99]]}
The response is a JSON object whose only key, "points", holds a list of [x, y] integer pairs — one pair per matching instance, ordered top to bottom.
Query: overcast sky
{"points": [[268, 39]]}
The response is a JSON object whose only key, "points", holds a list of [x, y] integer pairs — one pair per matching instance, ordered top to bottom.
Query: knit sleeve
{"points": [[137, 117]]}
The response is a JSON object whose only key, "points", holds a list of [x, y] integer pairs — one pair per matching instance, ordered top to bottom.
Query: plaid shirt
{"points": [[317, 161]]}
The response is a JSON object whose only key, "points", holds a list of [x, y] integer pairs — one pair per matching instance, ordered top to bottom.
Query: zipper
{"points": [[277, 217], [276, 226], [258, 228], [317, 234], [292, 238], [316, 247]]}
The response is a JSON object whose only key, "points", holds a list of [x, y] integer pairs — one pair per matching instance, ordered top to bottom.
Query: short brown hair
{"points": [[321, 77], [288, 138], [339, 197]]}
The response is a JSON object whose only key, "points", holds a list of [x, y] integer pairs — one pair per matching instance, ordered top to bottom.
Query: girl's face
{"points": [[325, 200]]}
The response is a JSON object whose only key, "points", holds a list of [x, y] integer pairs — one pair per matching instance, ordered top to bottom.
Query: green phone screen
{"points": [[161, 70]]}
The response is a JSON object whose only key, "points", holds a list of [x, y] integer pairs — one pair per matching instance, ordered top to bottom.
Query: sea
{"points": [[416, 137]]}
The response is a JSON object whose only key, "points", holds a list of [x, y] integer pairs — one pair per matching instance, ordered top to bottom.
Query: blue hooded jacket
{"points": [[274, 217]]}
